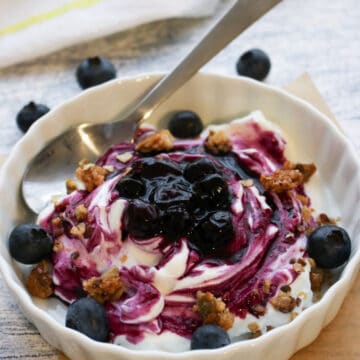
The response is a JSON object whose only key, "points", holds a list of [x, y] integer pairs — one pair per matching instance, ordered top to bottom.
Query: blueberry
{"points": [[254, 63], [94, 71], [29, 114], [185, 124], [150, 168], [199, 169], [130, 188], [213, 192], [174, 193], [141, 220], [175, 222], [213, 233], [29, 243], [329, 246], [88, 317], [209, 337]]}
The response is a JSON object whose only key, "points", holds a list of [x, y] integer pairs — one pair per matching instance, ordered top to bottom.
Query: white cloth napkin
{"points": [[29, 29]]}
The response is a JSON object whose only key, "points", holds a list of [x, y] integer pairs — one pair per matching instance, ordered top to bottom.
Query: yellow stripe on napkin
{"points": [[39, 18]]}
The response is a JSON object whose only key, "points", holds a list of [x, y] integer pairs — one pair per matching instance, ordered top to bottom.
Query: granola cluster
{"points": [[161, 140], [218, 142], [91, 175], [289, 177], [39, 282], [107, 287], [213, 310]]}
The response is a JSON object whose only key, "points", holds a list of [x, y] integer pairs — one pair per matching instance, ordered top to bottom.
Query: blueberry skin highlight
{"points": [[254, 63], [94, 71], [29, 114], [29, 243], [329, 246], [88, 317], [209, 337]]}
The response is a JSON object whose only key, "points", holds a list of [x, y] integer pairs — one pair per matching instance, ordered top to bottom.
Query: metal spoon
{"points": [[46, 174]]}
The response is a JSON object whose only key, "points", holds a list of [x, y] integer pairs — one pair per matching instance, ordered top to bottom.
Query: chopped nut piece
{"points": [[161, 140], [218, 142], [124, 157], [108, 168], [90, 174], [282, 180], [247, 182], [70, 186], [81, 212], [306, 213], [78, 230], [58, 245], [311, 262], [298, 268], [316, 279], [39, 282], [267, 286], [107, 287], [283, 302], [259, 309], [213, 310], [253, 327]]}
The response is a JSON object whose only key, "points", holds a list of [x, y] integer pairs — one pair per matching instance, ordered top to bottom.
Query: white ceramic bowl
{"points": [[311, 137]]}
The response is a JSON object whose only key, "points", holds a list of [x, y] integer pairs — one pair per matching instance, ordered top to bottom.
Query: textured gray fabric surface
{"points": [[321, 37]]}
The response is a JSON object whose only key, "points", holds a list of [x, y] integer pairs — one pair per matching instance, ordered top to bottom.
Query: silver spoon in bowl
{"points": [[46, 173]]}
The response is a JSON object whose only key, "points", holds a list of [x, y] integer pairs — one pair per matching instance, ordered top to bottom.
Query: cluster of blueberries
{"points": [[178, 199]]}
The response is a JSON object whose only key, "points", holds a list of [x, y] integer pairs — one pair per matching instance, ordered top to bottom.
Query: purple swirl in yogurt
{"points": [[186, 220]]}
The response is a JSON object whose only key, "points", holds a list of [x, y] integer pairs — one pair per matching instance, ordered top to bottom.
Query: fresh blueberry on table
{"points": [[254, 63], [94, 71], [29, 114], [185, 125], [29, 243], [329, 246], [88, 317], [209, 337]]}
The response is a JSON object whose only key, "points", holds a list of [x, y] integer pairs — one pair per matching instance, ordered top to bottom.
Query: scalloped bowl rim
{"points": [[24, 298]]}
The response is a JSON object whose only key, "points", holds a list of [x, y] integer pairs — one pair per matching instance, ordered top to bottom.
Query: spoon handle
{"points": [[239, 17]]}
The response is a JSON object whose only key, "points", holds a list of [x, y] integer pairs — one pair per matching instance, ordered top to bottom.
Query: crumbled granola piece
{"points": [[161, 140], [218, 142], [124, 157], [109, 168], [307, 170], [90, 174], [282, 180], [70, 186], [303, 199], [81, 212], [306, 213], [324, 219], [78, 230], [58, 245], [301, 261], [311, 262], [298, 268], [316, 279], [39, 281], [267, 286], [107, 287], [283, 302], [259, 309], [213, 310], [293, 315], [254, 327]]}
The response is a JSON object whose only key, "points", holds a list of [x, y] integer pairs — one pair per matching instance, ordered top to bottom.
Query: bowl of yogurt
{"points": [[222, 240]]}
